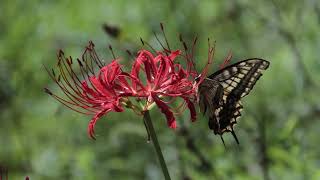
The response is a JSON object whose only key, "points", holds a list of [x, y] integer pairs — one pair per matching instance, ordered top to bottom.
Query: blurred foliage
{"points": [[278, 131]]}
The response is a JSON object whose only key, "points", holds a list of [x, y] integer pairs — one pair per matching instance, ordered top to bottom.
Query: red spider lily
{"points": [[109, 90]]}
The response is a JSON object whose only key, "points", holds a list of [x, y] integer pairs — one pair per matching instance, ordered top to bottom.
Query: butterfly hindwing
{"points": [[235, 81], [211, 94], [210, 101]]}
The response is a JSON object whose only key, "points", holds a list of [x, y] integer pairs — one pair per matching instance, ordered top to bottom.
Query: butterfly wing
{"points": [[239, 78], [236, 80], [210, 100]]}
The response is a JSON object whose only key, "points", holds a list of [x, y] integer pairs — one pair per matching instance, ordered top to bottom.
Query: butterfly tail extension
{"points": [[235, 136], [223, 141]]}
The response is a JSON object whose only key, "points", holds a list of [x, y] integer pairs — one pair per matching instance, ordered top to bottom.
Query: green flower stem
{"points": [[147, 120]]}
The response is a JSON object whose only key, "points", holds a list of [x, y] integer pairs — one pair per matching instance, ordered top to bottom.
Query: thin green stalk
{"points": [[147, 120]]}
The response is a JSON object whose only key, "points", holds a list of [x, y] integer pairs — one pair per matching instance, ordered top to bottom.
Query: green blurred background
{"points": [[279, 129]]}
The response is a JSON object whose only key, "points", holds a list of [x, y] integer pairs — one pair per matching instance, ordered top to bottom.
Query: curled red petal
{"points": [[146, 58], [109, 72], [162, 73], [100, 88], [88, 90], [115, 106], [192, 109], [171, 121], [93, 122]]}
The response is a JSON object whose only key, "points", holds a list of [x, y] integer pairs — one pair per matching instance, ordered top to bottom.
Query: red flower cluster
{"points": [[153, 78]]}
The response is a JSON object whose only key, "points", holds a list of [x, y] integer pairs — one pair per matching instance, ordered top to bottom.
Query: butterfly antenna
{"points": [[235, 136]]}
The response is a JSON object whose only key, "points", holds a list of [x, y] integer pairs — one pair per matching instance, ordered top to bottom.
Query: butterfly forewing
{"points": [[240, 77], [235, 81]]}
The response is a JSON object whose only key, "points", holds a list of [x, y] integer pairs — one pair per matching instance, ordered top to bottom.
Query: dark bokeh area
{"points": [[279, 128]]}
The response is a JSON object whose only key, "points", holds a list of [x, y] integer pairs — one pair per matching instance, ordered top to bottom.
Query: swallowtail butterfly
{"points": [[220, 93]]}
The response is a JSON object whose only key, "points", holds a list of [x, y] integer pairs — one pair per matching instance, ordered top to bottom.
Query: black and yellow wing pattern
{"points": [[220, 93]]}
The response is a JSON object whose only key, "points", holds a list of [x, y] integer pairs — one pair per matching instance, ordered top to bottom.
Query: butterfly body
{"points": [[221, 92]]}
